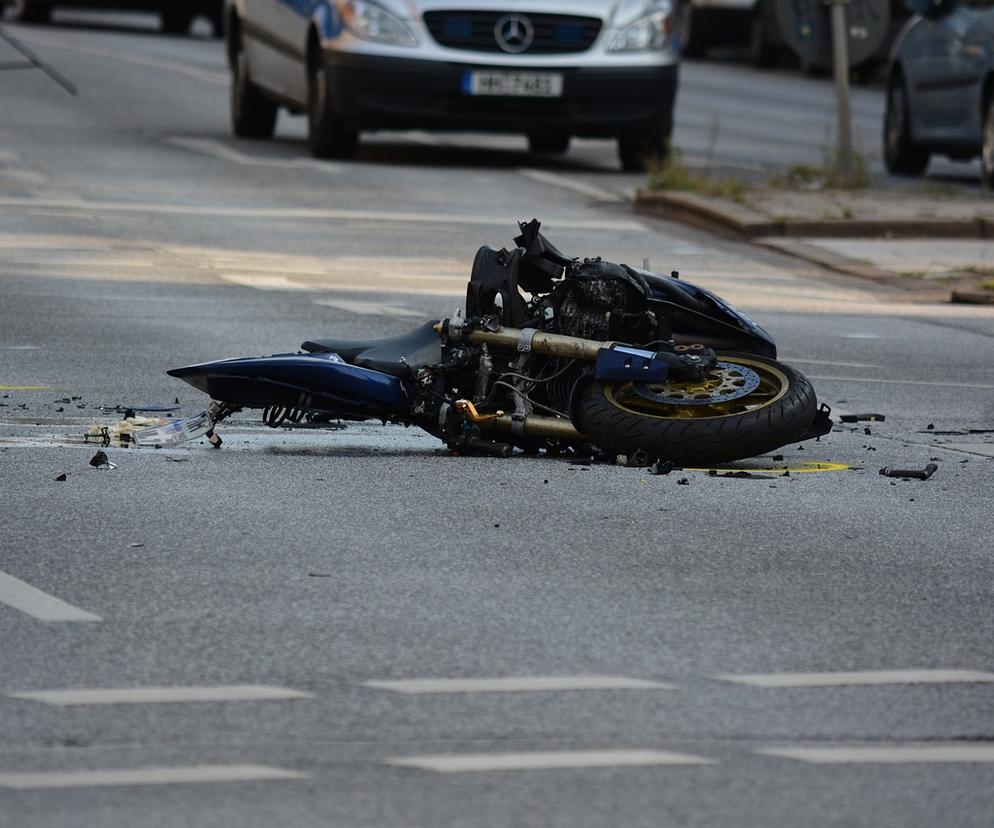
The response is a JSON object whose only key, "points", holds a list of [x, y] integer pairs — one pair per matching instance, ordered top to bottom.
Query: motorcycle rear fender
{"points": [[311, 382]]}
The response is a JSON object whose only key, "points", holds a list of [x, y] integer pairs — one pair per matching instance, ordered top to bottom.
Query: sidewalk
{"points": [[928, 238]]}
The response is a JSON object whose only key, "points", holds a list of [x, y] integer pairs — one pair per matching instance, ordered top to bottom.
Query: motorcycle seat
{"points": [[397, 356]]}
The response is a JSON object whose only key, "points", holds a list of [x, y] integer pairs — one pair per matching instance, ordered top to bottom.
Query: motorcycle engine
{"points": [[604, 301]]}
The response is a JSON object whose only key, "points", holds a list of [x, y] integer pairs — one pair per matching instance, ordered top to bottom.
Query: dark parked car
{"points": [[177, 15], [940, 88]]}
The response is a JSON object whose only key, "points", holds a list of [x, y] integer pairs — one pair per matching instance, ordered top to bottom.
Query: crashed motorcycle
{"points": [[553, 354]]}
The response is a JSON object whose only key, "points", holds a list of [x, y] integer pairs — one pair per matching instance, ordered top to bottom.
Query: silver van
{"points": [[549, 69]]}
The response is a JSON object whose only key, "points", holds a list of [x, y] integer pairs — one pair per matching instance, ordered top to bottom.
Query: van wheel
{"points": [[32, 11], [177, 20], [693, 33], [761, 52], [253, 115], [328, 135], [548, 143], [987, 148], [638, 155], [901, 155]]}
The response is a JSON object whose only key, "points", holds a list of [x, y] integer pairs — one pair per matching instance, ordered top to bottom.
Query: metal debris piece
{"points": [[859, 418], [100, 461], [911, 474]]}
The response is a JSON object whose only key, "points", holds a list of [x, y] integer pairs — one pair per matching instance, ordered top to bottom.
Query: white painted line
{"points": [[217, 78], [216, 149], [566, 183], [315, 213], [368, 308], [789, 360], [879, 381], [24, 597], [860, 677], [522, 684], [160, 695], [890, 755], [549, 760], [145, 776]]}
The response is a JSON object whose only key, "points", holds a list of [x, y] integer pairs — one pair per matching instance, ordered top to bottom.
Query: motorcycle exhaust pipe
{"points": [[527, 339], [531, 425]]}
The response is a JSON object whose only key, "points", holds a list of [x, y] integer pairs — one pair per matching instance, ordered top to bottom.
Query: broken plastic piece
{"points": [[859, 418], [175, 432], [100, 461], [661, 467], [914, 474], [61, 478]]}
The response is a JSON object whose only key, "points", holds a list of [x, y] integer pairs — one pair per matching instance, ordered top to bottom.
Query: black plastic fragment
{"points": [[860, 418], [99, 459], [661, 467], [911, 474], [61, 478]]}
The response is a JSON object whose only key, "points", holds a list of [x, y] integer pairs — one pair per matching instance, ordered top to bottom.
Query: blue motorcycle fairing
{"points": [[322, 382]]}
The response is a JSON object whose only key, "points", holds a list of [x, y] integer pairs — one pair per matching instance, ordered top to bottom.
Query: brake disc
{"points": [[724, 383]]}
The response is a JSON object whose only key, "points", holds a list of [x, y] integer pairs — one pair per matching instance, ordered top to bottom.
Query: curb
{"points": [[743, 222]]}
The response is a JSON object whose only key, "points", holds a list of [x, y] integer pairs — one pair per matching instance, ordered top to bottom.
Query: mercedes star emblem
{"points": [[514, 33]]}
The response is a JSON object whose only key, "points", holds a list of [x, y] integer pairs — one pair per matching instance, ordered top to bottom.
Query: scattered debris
{"points": [[860, 418], [930, 427], [867, 430], [778, 457], [182, 460], [100, 461], [661, 467], [909, 474], [61, 478], [683, 481], [496, 526], [136, 545], [318, 574]]}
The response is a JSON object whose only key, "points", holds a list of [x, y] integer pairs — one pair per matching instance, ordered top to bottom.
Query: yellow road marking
{"points": [[26, 388], [807, 467]]}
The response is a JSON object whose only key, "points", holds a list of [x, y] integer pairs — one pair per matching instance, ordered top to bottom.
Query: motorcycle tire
{"points": [[779, 411]]}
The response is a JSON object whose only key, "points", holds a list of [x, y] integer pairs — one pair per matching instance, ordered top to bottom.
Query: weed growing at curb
{"points": [[673, 174]]}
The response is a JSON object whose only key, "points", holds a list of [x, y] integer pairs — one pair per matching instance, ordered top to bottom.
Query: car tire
{"points": [[32, 11], [177, 20], [693, 34], [762, 53], [253, 115], [328, 135], [548, 143], [987, 147], [638, 155], [901, 155]]}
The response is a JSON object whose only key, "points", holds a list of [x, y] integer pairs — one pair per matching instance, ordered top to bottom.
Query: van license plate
{"points": [[514, 84]]}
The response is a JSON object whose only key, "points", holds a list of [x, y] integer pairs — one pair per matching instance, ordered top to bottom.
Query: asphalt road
{"points": [[136, 235]]}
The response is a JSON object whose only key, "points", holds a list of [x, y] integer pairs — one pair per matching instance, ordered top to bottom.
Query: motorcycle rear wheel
{"points": [[616, 418]]}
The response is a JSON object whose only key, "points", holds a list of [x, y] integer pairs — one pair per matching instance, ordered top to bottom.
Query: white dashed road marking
{"points": [[217, 149], [567, 183], [312, 213], [26, 598], [861, 677], [522, 684], [160, 695], [889, 755], [551, 760], [145, 776]]}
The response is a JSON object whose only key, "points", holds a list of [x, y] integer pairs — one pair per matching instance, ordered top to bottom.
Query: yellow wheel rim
{"points": [[773, 385]]}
